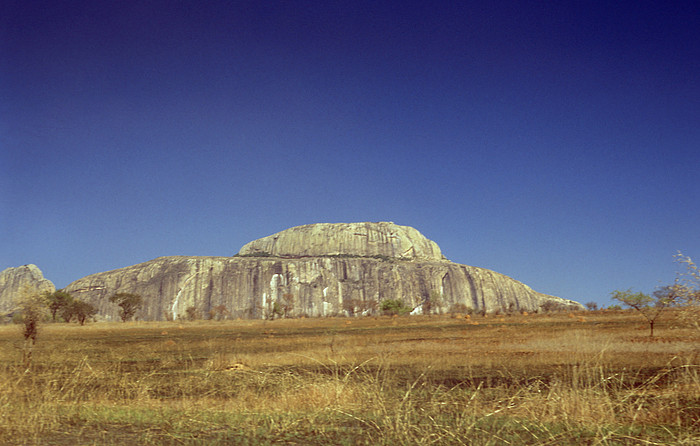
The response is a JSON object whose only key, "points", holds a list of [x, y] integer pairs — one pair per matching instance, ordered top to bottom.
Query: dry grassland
{"points": [[589, 378]]}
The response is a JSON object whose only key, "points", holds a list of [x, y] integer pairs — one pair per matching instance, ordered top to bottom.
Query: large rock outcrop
{"points": [[293, 272], [14, 281]]}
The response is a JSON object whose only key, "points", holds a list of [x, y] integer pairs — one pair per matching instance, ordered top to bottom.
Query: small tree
{"points": [[58, 300], [129, 304], [592, 306], [650, 307], [33, 309], [82, 310], [67, 312]]}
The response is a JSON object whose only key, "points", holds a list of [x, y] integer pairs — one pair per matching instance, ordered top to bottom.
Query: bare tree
{"points": [[289, 300], [221, 312]]}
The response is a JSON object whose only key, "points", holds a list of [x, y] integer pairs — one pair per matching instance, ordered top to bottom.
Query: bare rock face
{"points": [[383, 239], [293, 274], [14, 281], [249, 287]]}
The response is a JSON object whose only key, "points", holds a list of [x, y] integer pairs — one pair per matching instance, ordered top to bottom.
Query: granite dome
{"points": [[380, 239]]}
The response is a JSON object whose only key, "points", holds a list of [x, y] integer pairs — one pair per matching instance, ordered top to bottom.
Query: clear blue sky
{"points": [[555, 142]]}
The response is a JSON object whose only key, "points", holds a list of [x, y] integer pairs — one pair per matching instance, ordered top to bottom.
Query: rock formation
{"points": [[383, 239], [313, 270], [14, 281]]}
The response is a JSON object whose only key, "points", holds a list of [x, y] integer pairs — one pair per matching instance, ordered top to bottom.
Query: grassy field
{"points": [[588, 378]]}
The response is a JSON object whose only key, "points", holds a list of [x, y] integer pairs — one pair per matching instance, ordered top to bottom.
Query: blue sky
{"points": [[555, 142]]}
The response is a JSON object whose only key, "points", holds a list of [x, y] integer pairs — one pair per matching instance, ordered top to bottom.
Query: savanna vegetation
{"points": [[593, 377]]}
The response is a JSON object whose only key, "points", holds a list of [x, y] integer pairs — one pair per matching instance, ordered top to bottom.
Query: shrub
{"points": [[289, 300], [432, 303], [391, 307], [553, 307], [458, 308], [275, 311], [221, 312], [192, 313]]}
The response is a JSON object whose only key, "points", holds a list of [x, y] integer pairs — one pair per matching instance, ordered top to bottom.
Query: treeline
{"points": [[60, 306], [63, 306]]}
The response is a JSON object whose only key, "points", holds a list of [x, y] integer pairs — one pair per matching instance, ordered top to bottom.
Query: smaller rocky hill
{"points": [[14, 280]]}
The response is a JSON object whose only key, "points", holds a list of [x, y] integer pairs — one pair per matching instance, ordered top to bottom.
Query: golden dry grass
{"points": [[593, 378]]}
